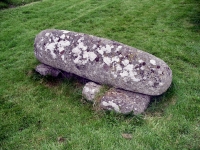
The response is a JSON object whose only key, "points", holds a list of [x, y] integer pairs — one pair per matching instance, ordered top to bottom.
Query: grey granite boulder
{"points": [[103, 61], [125, 102]]}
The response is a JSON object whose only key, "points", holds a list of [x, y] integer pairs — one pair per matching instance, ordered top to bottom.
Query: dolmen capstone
{"points": [[103, 61]]}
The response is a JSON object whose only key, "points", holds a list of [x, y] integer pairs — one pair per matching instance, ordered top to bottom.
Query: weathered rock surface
{"points": [[103, 61], [47, 70], [90, 91], [120, 101], [125, 102]]}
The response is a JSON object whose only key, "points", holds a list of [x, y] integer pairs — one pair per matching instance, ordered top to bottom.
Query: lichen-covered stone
{"points": [[103, 61], [47, 70], [91, 90], [124, 102]]}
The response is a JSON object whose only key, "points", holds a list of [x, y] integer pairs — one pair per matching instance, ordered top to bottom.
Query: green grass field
{"points": [[44, 113]]}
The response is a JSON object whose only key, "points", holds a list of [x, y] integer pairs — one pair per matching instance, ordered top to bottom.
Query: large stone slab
{"points": [[103, 61]]}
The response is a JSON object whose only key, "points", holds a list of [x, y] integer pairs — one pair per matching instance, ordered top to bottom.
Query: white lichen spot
{"points": [[65, 31], [47, 34], [62, 36], [55, 39], [80, 40], [64, 43], [82, 46], [94, 46], [51, 47], [108, 48], [118, 48], [76, 51], [100, 51], [89, 55], [92, 56], [63, 58], [115, 59], [77, 60], [107, 60], [140, 61], [83, 62], [125, 62], [153, 62], [118, 67], [129, 67], [142, 68], [159, 72], [124, 73], [114, 75], [132, 75], [144, 78], [135, 79], [150, 83], [161, 84], [112, 104]]}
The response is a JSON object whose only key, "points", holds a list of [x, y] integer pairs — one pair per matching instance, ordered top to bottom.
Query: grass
{"points": [[48, 113]]}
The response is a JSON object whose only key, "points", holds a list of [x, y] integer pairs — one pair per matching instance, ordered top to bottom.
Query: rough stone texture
{"points": [[103, 61], [47, 70], [90, 90], [124, 102]]}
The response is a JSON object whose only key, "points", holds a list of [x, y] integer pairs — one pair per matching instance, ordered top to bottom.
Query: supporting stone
{"points": [[47, 70], [91, 90], [120, 101], [125, 102]]}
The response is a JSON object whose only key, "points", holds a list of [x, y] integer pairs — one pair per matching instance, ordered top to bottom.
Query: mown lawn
{"points": [[48, 113]]}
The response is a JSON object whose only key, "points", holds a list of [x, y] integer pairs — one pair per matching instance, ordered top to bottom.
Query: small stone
{"points": [[47, 70], [90, 91], [124, 102], [127, 135]]}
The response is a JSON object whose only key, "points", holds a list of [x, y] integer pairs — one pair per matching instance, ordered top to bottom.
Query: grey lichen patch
{"points": [[104, 61]]}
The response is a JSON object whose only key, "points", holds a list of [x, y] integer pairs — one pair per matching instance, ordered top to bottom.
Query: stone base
{"points": [[120, 101], [125, 102]]}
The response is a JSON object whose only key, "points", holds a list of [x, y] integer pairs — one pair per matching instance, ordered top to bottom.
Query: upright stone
{"points": [[103, 61]]}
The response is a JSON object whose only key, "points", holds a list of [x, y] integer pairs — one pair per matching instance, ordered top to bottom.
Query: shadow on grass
{"points": [[4, 4], [194, 17], [51, 81], [159, 103], [110, 117], [17, 119]]}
